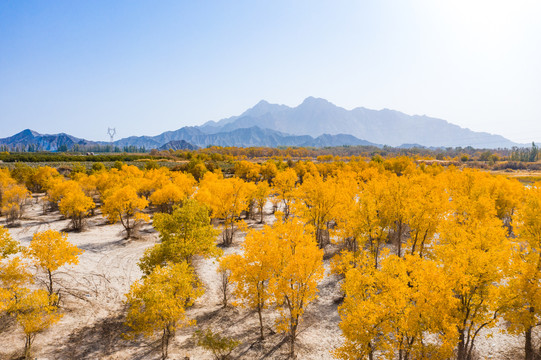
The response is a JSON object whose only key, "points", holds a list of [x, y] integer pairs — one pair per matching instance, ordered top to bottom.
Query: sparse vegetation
{"points": [[433, 257]]}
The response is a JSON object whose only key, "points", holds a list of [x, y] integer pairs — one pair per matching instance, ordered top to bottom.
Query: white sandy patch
{"points": [[94, 290]]}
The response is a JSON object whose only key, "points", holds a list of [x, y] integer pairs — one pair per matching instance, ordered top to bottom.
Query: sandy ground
{"points": [[93, 294]]}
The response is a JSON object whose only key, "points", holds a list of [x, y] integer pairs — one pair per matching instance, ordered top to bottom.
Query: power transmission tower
{"points": [[111, 132]]}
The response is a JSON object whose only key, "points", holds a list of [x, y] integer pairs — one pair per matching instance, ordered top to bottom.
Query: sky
{"points": [[144, 67]]}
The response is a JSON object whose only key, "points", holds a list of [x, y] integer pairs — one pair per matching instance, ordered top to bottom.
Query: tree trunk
{"points": [[286, 210], [126, 225], [228, 235], [319, 237], [399, 240], [50, 286], [225, 287], [259, 310], [292, 338], [165, 342], [528, 346], [28, 347], [292, 347], [462, 352], [370, 353]]}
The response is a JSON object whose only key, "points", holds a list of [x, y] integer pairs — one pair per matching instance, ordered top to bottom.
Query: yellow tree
{"points": [[401, 165], [247, 171], [269, 171], [42, 178], [152, 180], [6, 181], [184, 181], [106, 182], [87, 183], [284, 185], [57, 189], [469, 191], [171, 192], [507, 195], [166, 197], [260, 197], [227, 199], [397, 199], [14, 200], [317, 201], [124, 205], [75, 206], [427, 207], [345, 213], [364, 220], [185, 233], [8, 246], [50, 250], [474, 250], [474, 254], [298, 268], [252, 271], [14, 275], [14, 278], [521, 297], [5, 298], [157, 303], [33, 309], [397, 311], [35, 312], [363, 320]]}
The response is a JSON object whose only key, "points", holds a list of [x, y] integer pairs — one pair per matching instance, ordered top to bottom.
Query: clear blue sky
{"points": [[146, 67]]}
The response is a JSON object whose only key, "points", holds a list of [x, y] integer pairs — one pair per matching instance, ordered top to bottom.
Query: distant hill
{"points": [[318, 116], [241, 137], [29, 140], [178, 145]]}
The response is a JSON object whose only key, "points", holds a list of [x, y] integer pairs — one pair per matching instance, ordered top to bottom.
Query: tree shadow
{"points": [[99, 247], [103, 338]]}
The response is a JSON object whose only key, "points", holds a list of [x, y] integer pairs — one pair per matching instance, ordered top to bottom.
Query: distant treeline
{"points": [[76, 148], [218, 153], [460, 154], [70, 157]]}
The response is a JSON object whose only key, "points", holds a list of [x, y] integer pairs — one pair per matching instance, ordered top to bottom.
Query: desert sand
{"points": [[93, 294]]}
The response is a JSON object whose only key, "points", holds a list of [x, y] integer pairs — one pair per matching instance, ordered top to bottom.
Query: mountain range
{"points": [[316, 116], [315, 122]]}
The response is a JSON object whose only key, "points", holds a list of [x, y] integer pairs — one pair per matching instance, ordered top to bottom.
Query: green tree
{"points": [[185, 233], [220, 346]]}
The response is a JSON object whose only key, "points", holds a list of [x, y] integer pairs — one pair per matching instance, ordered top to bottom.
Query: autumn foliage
{"points": [[428, 259], [158, 302]]}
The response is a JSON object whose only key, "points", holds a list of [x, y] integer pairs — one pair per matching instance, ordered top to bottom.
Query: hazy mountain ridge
{"points": [[316, 116], [315, 122], [245, 137], [186, 138]]}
